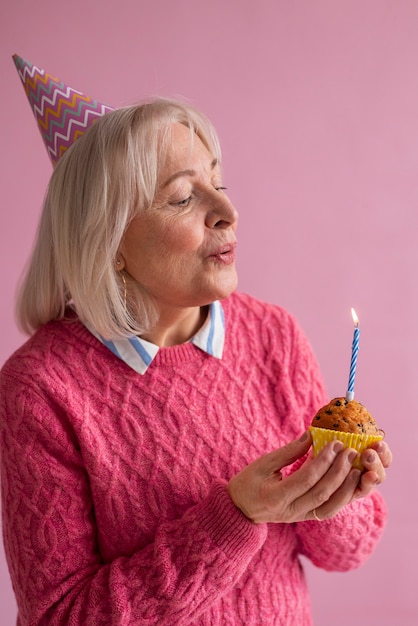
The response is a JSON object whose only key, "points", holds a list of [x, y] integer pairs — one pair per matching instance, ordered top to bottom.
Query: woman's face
{"points": [[182, 249]]}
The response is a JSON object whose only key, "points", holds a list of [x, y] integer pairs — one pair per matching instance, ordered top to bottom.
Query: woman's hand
{"points": [[318, 490]]}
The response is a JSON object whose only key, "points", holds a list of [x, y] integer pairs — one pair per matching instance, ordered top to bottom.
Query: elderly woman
{"points": [[154, 443]]}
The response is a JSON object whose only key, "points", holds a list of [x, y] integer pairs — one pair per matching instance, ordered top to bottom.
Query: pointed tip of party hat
{"points": [[62, 113]]}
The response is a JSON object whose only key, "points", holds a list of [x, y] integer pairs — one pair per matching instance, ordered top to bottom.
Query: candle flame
{"points": [[354, 316]]}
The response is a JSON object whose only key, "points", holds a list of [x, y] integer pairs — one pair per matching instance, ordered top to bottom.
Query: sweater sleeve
{"points": [[51, 539], [345, 541]]}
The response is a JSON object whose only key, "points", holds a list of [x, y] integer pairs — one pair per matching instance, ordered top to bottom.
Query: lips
{"points": [[225, 253]]}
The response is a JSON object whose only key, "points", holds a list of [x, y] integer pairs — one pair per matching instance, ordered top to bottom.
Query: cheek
{"points": [[178, 240], [159, 247], [172, 256]]}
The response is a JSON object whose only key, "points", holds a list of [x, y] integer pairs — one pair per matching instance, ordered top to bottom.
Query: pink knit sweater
{"points": [[115, 510]]}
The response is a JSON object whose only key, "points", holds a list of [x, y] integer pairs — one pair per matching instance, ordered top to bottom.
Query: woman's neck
{"points": [[176, 326]]}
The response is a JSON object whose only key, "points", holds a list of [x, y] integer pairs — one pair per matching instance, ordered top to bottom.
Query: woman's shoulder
{"points": [[243, 304], [263, 324], [51, 347]]}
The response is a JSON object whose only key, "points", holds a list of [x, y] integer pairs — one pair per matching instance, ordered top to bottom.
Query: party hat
{"points": [[63, 114]]}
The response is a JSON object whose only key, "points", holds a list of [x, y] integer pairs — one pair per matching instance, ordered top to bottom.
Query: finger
{"points": [[384, 453], [274, 461], [372, 463], [310, 475], [367, 483], [333, 488], [342, 496]]}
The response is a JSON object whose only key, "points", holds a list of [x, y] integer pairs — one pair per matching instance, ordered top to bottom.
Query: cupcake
{"points": [[347, 421]]}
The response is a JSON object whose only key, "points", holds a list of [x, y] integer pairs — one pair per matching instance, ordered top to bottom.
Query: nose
{"points": [[222, 213]]}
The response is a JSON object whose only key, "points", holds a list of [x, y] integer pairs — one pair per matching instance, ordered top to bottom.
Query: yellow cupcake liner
{"points": [[322, 436]]}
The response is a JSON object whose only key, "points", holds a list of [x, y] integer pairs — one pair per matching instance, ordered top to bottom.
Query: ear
{"points": [[119, 263]]}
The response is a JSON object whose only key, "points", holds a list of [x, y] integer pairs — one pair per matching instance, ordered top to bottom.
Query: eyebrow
{"points": [[169, 180]]}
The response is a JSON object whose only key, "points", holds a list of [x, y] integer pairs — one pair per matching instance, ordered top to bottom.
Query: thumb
{"points": [[289, 453]]}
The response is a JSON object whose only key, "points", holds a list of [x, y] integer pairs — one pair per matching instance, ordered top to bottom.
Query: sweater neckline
{"points": [[139, 354], [167, 355]]}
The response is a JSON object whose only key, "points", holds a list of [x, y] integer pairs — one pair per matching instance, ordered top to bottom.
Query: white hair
{"points": [[99, 184]]}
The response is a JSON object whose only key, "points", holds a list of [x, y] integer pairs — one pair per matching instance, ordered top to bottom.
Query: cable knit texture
{"points": [[114, 501]]}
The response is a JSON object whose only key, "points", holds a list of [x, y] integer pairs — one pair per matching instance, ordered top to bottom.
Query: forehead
{"points": [[184, 150]]}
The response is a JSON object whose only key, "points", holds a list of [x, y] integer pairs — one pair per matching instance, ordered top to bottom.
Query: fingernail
{"points": [[304, 437], [337, 446], [352, 456], [370, 457], [355, 475]]}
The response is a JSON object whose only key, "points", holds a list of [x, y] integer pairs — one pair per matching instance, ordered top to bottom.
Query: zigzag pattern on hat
{"points": [[63, 114]]}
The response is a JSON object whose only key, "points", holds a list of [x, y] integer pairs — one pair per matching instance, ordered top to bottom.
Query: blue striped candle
{"points": [[354, 353]]}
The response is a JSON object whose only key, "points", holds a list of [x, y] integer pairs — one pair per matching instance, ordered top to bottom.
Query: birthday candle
{"points": [[354, 353]]}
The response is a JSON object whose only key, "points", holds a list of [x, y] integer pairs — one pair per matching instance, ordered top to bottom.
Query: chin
{"points": [[216, 288], [226, 289]]}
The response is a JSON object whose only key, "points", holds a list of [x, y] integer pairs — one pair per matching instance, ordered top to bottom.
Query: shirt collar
{"points": [[139, 354]]}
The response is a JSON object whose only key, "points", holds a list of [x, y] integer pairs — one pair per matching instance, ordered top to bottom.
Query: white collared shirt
{"points": [[139, 353]]}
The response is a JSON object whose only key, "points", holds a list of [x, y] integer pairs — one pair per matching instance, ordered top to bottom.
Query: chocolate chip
{"points": [[328, 412]]}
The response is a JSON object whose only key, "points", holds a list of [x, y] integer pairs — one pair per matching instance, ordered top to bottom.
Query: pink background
{"points": [[316, 103]]}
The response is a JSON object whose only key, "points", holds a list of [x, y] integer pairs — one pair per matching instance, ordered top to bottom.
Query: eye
{"points": [[221, 188], [183, 203]]}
